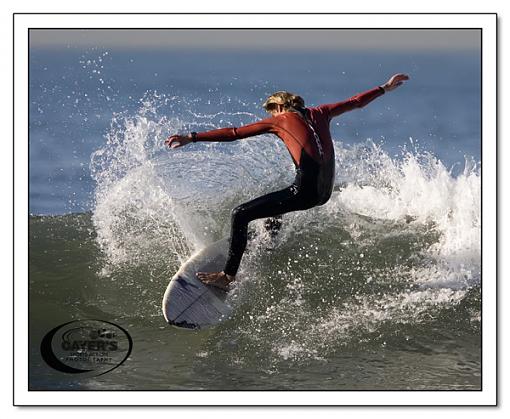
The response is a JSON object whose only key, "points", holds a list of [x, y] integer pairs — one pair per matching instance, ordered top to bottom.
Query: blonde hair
{"points": [[286, 99]]}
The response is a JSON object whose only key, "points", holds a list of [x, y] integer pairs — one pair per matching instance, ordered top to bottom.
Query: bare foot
{"points": [[217, 279]]}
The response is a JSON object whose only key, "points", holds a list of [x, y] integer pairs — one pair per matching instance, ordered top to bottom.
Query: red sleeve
{"points": [[357, 101], [231, 134]]}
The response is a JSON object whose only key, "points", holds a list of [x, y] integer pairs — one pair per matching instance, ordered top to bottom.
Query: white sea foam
{"points": [[420, 189], [136, 221]]}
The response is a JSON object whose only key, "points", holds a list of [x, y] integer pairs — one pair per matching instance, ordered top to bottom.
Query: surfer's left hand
{"points": [[395, 81], [175, 141]]}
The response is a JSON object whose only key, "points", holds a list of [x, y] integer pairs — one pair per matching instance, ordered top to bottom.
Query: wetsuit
{"points": [[307, 137]]}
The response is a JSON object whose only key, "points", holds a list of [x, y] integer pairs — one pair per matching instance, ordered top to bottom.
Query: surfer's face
{"points": [[277, 110]]}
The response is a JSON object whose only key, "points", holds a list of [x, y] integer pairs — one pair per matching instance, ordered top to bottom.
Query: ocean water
{"points": [[379, 289]]}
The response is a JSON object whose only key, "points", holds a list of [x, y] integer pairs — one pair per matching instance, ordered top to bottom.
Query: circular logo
{"points": [[91, 347]]}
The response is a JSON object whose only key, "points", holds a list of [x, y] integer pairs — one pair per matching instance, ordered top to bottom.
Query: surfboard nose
{"points": [[190, 304]]}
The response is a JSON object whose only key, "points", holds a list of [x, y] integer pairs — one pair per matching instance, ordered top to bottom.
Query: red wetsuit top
{"points": [[298, 134]]}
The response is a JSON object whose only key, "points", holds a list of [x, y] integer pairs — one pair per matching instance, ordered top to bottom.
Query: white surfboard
{"points": [[190, 304]]}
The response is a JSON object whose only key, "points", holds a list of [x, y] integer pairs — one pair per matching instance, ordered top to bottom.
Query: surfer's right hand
{"points": [[395, 81], [175, 141]]}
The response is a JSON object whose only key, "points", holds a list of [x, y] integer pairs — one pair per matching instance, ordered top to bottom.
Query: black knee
{"points": [[324, 198], [322, 201], [237, 211], [239, 215]]}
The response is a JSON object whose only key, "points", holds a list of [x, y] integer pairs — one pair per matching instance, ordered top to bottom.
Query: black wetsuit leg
{"points": [[312, 187], [269, 205]]}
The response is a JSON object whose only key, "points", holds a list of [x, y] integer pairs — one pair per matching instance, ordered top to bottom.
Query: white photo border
{"points": [[486, 22]]}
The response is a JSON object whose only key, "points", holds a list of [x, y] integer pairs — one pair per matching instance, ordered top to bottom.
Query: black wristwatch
{"points": [[193, 136]]}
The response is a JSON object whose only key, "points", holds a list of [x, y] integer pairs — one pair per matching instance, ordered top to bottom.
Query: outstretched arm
{"points": [[362, 99], [222, 134]]}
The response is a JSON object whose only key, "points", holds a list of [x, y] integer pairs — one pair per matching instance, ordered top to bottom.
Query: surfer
{"points": [[305, 132]]}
